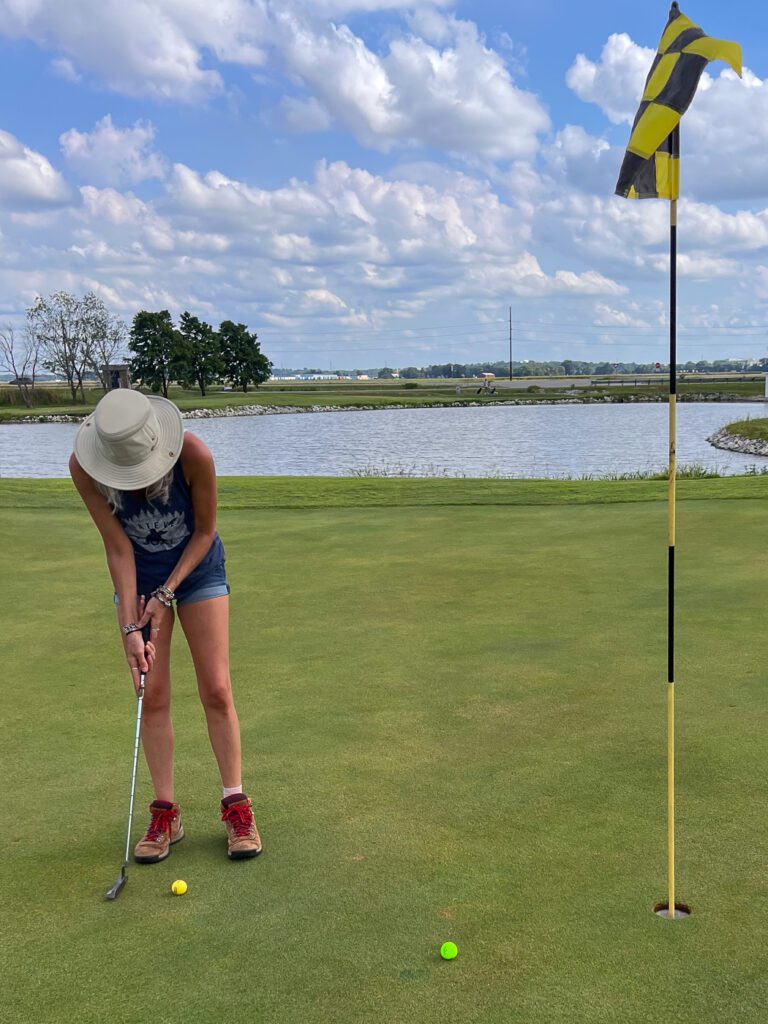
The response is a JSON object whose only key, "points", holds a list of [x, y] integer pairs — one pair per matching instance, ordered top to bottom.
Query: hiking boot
{"points": [[165, 828], [242, 835]]}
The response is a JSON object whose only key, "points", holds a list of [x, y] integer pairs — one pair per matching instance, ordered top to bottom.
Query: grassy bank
{"points": [[382, 394], [756, 429], [301, 492], [452, 699]]}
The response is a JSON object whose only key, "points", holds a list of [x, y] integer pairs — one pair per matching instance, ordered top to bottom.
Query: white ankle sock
{"points": [[230, 791]]}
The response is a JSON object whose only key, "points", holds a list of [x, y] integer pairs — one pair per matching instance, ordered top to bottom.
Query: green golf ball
{"points": [[449, 951]]}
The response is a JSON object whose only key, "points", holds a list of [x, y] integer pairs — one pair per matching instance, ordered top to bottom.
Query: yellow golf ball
{"points": [[179, 887], [449, 951]]}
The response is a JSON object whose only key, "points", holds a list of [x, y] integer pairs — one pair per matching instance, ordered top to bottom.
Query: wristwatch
{"points": [[132, 627]]}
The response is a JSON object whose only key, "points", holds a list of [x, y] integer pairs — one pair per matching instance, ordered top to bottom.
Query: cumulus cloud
{"points": [[147, 47], [615, 82], [445, 89], [460, 98], [303, 116], [113, 156], [577, 158], [27, 179], [347, 246], [698, 266], [524, 277], [608, 316]]}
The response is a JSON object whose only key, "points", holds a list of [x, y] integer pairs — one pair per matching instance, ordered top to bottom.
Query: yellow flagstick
{"points": [[650, 170], [671, 527]]}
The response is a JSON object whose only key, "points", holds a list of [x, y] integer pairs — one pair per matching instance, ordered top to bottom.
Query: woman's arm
{"points": [[199, 470], [117, 546], [120, 561]]}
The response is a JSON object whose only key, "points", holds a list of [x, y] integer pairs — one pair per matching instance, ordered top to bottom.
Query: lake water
{"points": [[494, 440]]}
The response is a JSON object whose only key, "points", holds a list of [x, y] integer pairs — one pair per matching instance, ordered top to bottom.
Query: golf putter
{"points": [[114, 892]]}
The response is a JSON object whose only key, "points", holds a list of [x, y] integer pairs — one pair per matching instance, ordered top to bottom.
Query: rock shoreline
{"points": [[276, 410], [729, 442]]}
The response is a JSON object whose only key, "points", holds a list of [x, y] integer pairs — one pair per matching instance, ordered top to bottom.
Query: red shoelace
{"points": [[240, 817], [162, 821]]}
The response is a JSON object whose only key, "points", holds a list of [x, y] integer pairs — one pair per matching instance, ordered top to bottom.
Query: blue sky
{"points": [[367, 182]]}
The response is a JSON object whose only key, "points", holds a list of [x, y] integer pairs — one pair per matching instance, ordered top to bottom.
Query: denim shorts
{"points": [[212, 584]]}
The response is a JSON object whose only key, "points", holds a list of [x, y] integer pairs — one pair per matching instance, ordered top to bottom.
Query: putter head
{"points": [[114, 892]]}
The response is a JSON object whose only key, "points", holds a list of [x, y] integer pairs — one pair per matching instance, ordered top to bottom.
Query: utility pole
{"points": [[510, 343]]}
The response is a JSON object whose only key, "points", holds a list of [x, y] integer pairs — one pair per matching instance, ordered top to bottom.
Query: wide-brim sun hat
{"points": [[130, 440]]}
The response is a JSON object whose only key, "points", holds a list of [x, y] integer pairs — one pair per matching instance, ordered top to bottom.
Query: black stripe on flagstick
{"points": [[675, 138], [671, 617]]}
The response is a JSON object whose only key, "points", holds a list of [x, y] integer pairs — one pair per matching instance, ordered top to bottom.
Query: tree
{"points": [[64, 327], [109, 337], [155, 343], [198, 355], [21, 358], [243, 362], [385, 373]]}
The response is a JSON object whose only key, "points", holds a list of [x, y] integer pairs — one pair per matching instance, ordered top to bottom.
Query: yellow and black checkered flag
{"points": [[651, 164]]}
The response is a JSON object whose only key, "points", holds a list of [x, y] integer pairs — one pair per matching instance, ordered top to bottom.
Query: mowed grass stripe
{"points": [[371, 492], [454, 726]]}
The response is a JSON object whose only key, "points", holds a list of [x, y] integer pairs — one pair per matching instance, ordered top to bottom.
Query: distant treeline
{"points": [[573, 367]]}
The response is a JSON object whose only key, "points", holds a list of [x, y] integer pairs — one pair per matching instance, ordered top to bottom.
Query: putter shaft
{"points": [[116, 889]]}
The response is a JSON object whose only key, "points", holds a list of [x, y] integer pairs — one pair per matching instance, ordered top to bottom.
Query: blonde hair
{"points": [[160, 491]]}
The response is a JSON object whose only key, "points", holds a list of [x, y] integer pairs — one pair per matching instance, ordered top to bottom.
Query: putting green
{"points": [[453, 716]]}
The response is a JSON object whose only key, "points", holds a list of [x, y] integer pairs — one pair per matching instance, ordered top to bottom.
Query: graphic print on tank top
{"points": [[157, 531]]}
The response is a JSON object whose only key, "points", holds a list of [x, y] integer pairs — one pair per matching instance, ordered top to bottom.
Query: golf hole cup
{"points": [[179, 887], [449, 951]]}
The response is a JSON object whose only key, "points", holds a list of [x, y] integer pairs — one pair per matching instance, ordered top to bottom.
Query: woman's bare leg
{"points": [[206, 627], [156, 726]]}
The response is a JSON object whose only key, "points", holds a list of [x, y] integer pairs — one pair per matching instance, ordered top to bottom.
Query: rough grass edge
{"points": [[283, 492]]}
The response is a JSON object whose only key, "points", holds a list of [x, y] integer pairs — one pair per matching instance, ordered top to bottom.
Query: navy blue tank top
{"points": [[160, 532]]}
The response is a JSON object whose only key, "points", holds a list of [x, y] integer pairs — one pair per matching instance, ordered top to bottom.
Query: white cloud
{"points": [[146, 47], [64, 68], [615, 82], [444, 89], [460, 98], [304, 115], [113, 156], [577, 158], [27, 179], [347, 246], [699, 267], [526, 278], [761, 282], [607, 316]]}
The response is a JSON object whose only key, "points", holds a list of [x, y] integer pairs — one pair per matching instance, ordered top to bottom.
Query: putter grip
{"points": [[146, 631]]}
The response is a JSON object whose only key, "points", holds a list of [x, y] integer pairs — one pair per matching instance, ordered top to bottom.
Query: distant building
{"points": [[117, 375]]}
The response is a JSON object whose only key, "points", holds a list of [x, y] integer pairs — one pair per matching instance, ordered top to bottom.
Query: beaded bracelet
{"points": [[164, 595], [132, 627]]}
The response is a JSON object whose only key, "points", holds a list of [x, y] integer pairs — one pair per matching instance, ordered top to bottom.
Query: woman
{"points": [[151, 491]]}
